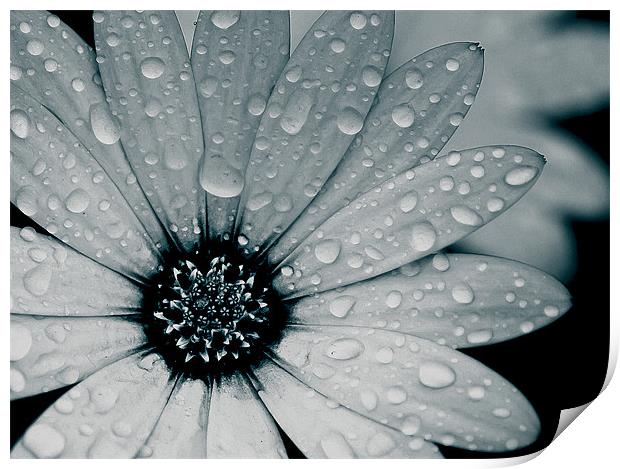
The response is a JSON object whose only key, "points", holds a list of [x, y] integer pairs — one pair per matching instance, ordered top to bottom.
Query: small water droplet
{"points": [[152, 67], [521, 175], [327, 251], [342, 305], [436, 375]]}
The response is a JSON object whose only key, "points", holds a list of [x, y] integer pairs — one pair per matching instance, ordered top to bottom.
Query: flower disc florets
{"points": [[211, 316]]}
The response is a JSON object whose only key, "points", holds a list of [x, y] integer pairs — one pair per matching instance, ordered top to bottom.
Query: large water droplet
{"points": [[224, 19], [358, 20], [35, 47], [152, 67], [296, 112], [403, 115], [349, 121], [20, 123], [104, 125], [521, 175], [219, 178], [77, 201], [466, 216], [423, 236], [327, 251], [37, 280], [462, 293], [341, 305], [21, 341], [344, 349], [436, 375], [44, 441], [379, 445], [335, 446]]}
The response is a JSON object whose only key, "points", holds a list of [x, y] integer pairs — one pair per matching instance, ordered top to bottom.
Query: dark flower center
{"points": [[210, 316]]}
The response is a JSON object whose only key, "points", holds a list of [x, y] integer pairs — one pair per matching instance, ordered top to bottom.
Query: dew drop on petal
{"points": [[224, 19], [358, 20], [35, 47], [452, 65], [152, 67], [371, 76], [414, 79], [403, 115], [349, 121], [20, 123], [104, 125], [521, 175], [221, 179], [77, 201], [409, 201], [466, 216], [423, 236], [327, 251], [37, 280], [462, 293], [341, 305], [482, 336], [21, 341], [344, 349], [436, 375], [396, 395], [369, 399], [410, 425], [44, 441], [379, 445], [335, 446]]}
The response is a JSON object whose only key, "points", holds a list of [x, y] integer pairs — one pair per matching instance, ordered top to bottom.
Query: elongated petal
{"points": [[236, 58], [56, 67], [149, 83], [318, 105], [418, 108], [57, 183], [410, 216], [50, 278], [459, 300], [49, 352], [410, 384], [109, 415], [239, 424], [321, 428], [181, 431]]}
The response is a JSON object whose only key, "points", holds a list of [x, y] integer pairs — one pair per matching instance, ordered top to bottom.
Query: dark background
{"points": [[558, 367]]}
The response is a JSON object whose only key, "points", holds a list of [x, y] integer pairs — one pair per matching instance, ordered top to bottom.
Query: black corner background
{"points": [[558, 367]]}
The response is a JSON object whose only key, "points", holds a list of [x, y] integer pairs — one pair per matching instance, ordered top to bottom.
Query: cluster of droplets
{"points": [[211, 317]]}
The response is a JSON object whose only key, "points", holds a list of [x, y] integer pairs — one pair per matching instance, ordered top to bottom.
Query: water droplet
{"points": [[224, 19], [358, 20], [337, 45], [35, 47], [452, 65], [152, 67], [371, 76], [414, 79], [208, 86], [256, 104], [296, 112], [403, 115], [349, 121], [20, 123], [104, 125], [175, 155], [521, 175], [219, 178], [259, 200], [77, 201], [409, 201], [495, 204], [466, 216], [423, 236], [327, 251], [37, 280], [462, 293], [394, 299], [341, 305], [551, 311], [480, 337], [21, 341], [344, 349], [385, 355], [436, 375], [17, 380], [476, 393], [396, 395], [103, 398], [369, 399], [501, 412], [410, 425], [44, 441], [379, 445], [335, 446]]}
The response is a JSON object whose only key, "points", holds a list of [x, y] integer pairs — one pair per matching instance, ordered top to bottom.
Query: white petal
{"points": [[65, 79], [234, 79], [148, 80], [318, 105], [410, 122], [56, 182], [410, 216], [50, 278], [459, 300], [50, 352], [410, 384], [109, 415], [239, 424], [321, 428], [181, 431]]}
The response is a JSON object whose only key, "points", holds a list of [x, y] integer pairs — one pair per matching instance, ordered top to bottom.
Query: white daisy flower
{"points": [[243, 238]]}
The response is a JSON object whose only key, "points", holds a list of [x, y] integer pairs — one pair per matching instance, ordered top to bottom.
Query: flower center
{"points": [[210, 316]]}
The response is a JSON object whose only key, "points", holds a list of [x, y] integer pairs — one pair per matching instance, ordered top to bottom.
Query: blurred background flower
{"points": [[540, 67]]}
